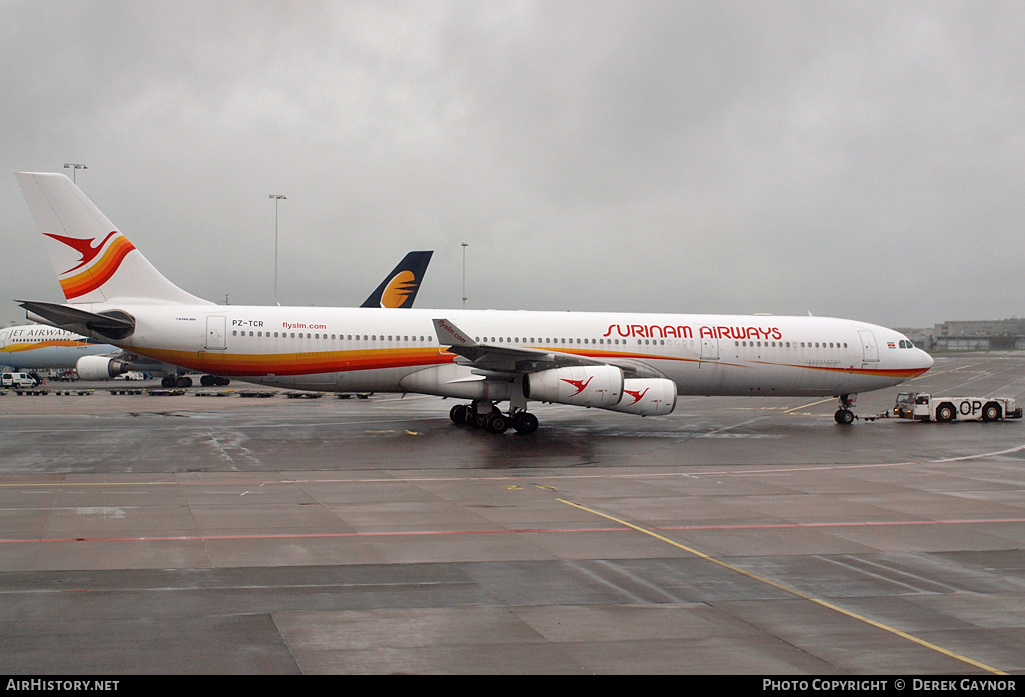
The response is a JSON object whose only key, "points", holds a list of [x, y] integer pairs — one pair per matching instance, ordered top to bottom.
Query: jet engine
{"points": [[99, 368], [582, 386], [647, 397]]}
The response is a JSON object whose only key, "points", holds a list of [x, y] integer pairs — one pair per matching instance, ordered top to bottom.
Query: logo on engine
{"points": [[581, 385], [637, 395]]}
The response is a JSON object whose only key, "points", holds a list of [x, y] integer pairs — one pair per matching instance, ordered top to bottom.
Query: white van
{"points": [[17, 380]]}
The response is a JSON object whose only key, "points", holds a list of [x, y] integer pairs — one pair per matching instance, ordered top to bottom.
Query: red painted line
{"points": [[312, 535]]}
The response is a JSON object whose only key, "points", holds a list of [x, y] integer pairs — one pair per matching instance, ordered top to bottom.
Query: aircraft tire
{"points": [[458, 414], [844, 417], [525, 422], [496, 423]]}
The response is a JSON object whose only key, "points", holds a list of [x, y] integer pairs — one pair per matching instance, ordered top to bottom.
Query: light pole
{"points": [[74, 167], [276, 197], [464, 246]]}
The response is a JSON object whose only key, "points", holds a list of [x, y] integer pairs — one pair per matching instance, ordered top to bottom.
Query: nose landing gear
{"points": [[843, 414]]}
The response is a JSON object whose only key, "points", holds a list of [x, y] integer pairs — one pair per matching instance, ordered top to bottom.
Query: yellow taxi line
{"points": [[787, 589]]}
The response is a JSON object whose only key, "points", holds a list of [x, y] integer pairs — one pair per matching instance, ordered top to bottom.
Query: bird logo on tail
{"points": [[95, 274]]}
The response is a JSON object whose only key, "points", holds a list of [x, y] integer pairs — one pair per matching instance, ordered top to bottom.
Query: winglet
{"points": [[451, 335]]}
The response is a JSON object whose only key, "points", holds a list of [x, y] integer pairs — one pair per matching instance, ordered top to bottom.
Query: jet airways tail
{"points": [[94, 262], [399, 288]]}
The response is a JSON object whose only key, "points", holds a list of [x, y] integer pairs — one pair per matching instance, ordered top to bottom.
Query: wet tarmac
{"points": [[207, 532]]}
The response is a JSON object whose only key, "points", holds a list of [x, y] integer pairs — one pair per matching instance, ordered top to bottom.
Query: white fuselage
{"points": [[350, 349]]}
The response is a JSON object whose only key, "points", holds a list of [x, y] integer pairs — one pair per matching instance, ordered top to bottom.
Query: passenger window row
{"points": [[334, 337], [544, 340], [796, 344], [904, 344]]}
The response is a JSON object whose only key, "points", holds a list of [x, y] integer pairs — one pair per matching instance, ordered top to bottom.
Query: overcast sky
{"points": [[862, 159]]}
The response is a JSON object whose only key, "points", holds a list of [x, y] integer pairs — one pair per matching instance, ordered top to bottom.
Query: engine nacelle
{"points": [[99, 368], [582, 386], [647, 397]]}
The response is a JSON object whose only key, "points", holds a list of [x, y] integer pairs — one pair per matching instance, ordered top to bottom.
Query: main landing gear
{"points": [[176, 381], [185, 381], [213, 381], [844, 415], [489, 417]]}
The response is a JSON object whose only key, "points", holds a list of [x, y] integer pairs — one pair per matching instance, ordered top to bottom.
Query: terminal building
{"points": [[971, 335]]}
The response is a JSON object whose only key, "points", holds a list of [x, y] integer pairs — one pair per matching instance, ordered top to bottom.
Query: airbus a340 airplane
{"points": [[626, 362]]}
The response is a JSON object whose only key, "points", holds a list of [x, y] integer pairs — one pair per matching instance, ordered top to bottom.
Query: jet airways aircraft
{"points": [[37, 347], [43, 347], [626, 362]]}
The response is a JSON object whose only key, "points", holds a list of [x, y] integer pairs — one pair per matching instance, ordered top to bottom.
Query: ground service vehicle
{"points": [[17, 380], [925, 407]]}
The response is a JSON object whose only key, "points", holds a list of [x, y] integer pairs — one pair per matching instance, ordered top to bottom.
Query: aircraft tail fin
{"points": [[94, 262], [399, 288]]}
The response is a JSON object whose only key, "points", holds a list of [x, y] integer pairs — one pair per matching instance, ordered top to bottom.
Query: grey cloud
{"points": [[665, 156]]}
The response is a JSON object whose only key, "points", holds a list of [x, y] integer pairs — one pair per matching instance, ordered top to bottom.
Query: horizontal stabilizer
{"points": [[113, 324]]}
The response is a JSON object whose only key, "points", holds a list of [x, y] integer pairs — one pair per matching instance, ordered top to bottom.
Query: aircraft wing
{"points": [[507, 360]]}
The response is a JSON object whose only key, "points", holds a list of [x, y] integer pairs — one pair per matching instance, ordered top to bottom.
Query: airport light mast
{"points": [[74, 167], [276, 197], [464, 246]]}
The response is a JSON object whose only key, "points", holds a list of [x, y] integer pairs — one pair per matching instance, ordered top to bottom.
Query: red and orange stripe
{"points": [[99, 272], [283, 364]]}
